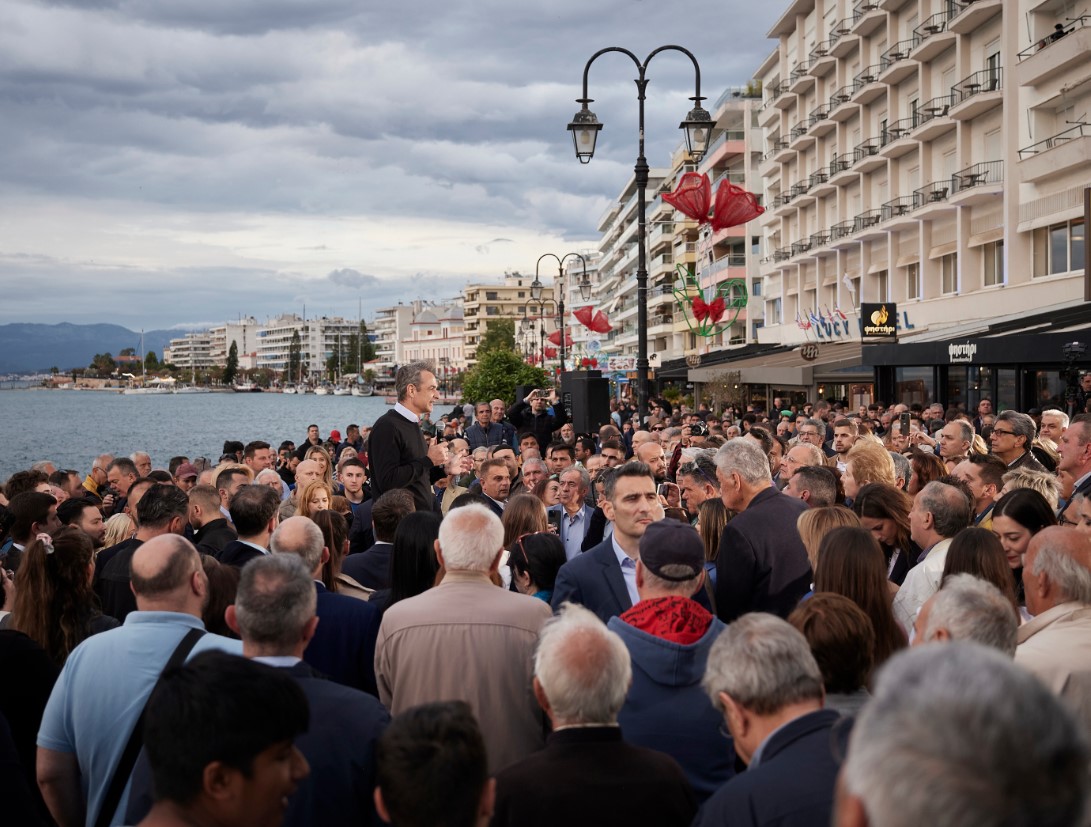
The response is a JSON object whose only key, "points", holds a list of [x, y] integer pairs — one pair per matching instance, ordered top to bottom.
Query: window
{"points": [[1059, 248], [994, 264], [949, 273], [913, 281], [882, 286], [755, 289], [490, 295], [492, 310], [774, 313]]}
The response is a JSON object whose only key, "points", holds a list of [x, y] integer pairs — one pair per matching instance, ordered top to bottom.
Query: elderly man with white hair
{"points": [[762, 565], [968, 608], [467, 640], [955, 735], [588, 774]]}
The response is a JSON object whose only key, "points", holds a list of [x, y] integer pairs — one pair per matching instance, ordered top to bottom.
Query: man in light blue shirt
{"points": [[575, 513], [107, 679]]}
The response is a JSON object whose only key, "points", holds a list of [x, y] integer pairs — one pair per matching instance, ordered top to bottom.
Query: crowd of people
{"points": [[794, 616]]}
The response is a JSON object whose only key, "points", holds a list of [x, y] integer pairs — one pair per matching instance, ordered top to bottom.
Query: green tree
{"points": [[499, 336], [127, 351], [295, 357], [151, 362], [103, 365], [231, 369], [497, 373], [263, 377]]}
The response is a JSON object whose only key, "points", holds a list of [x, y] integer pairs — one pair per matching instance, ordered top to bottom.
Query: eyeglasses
{"points": [[658, 428], [1004, 433], [1063, 520], [522, 548]]}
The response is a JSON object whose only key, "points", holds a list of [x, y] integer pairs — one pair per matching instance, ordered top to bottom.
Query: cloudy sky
{"points": [[179, 163]]}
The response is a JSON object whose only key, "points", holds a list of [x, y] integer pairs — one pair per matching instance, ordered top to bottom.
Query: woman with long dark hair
{"points": [[884, 511], [1017, 517], [978, 552], [535, 560], [413, 563], [851, 563], [55, 604]]}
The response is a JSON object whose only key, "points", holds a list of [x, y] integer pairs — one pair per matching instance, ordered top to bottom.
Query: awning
{"points": [[788, 367]]}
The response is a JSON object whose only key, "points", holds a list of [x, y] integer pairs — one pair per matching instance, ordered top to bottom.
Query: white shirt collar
{"points": [[408, 414], [277, 660]]}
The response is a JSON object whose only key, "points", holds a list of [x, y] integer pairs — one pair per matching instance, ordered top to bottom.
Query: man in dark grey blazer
{"points": [[762, 565], [603, 579]]}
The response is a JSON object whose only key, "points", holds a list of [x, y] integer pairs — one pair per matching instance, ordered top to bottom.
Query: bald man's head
{"points": [[307, 471], [300, 536], [163, 572]]}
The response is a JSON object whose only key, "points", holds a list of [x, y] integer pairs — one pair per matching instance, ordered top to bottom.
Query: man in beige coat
{"points": [[468, 640], [1056, 643]]}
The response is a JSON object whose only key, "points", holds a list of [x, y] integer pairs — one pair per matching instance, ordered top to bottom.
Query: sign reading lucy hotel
{"points": [[879, 322]]}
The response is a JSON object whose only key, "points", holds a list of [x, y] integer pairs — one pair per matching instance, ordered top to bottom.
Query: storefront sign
{"points": [[879, 322], [809, 352], [961, 354], [617, 363]]}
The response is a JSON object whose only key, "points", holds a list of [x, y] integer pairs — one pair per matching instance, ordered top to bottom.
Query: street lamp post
{"points": [[585, 127], [536, 290], [526, 323]]}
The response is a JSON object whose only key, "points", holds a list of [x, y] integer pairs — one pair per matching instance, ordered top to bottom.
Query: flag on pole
{"points": [[849, 285], [837, 310], [814, 319], [805, 325]]}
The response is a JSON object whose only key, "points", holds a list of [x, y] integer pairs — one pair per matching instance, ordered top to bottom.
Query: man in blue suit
{"points": [[574, 513], [603, 579], [343, 647], [762, 677]]}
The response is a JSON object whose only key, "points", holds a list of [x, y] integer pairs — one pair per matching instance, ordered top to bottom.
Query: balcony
{"points": [[891, 5], [972, 14], [867, 17], [933, 39], [842, 41], [1054, 54], [821, 59], [896, 63], [800, 79], [866, 86], [978, 93], [784, 98], [841, 106], [768, 115], [933, 119], [819, 121], [799, 131], [895, 140], [781, 150], [1056, 155], [866, 157], [841, 169], [819, 183], [976, 184], [933, 199], [896, 213], [866, 224], [841, 233], [819, 240], [801, 247], [781, 254], [725, 263]]}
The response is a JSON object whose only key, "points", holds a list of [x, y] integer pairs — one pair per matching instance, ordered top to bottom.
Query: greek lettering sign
{"points": [[879, 322], [961, 354]]}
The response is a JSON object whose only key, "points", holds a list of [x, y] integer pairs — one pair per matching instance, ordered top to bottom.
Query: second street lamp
{"points": [[585, 127], [585, 290]]}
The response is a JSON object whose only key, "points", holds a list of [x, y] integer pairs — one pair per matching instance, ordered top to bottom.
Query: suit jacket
{"points": [[1083, 488], [450, 494], [494, 506], [587, 512], [596, 529], [361, 532], [213, 536], [238, 554], [762, 565], [371, 568], [594, 580], [343, 645], [1056, 646], [591, 777], [792, 785]]}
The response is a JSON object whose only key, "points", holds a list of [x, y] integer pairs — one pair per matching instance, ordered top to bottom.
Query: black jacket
{"points": [[543, 425], [398, 458]]}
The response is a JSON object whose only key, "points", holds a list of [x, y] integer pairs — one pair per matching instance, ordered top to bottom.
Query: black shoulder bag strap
{"points": [[125, 765]]}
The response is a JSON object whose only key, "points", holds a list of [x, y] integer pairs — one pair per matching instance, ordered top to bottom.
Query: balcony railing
{"points": [[862, 7], [933, 25], [840, 29], [1052, 38], [822, 50], [899, 51], [801, 69], [869, 74], [987, 80], [842, 95], [937, 107], [819, 113], [898, 129], [798, 131], [1078, 131], [724, 137], [864, 150], [840, 163], [987, 172], [820, 177], [799, 189], [933, 193], [900, 206], [867, 219], [842, 229], [820, 239], [799, 247], [782, 254], [721, 264]]}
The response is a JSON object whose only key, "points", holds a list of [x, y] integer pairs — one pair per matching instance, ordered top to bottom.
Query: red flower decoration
{"points": [[692, 197], [734, 206], [700, 309], [713, 311], [597, 322], [555, 337], [551, 352]]}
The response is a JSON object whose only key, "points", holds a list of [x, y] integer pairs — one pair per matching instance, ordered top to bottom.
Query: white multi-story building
{"points": [[930, 154], [483, 303], [391, 328], [244, 333], [436, 335], [319, 339], [190, 352]]}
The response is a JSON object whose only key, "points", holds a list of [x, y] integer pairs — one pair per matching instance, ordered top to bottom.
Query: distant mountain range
{"points": [[26, 348]]}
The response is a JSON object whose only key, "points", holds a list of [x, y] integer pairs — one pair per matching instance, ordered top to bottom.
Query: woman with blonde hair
{"points": [[319, 455], [866, 462], [1043, 482], [316, 497], [815, 523], [118, 529]]}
